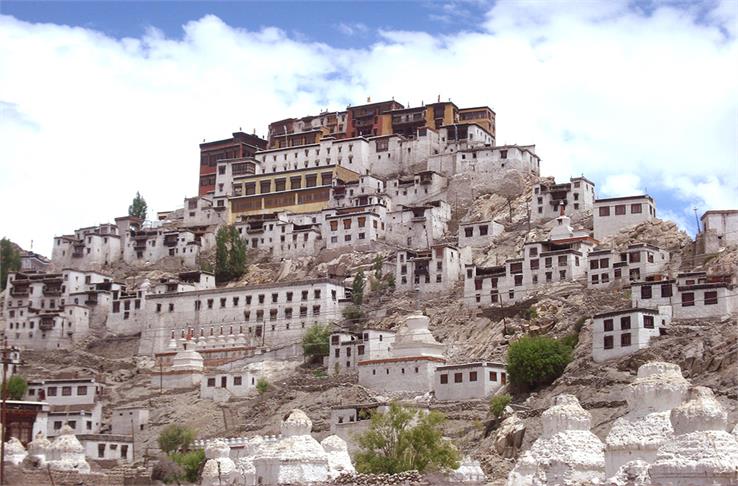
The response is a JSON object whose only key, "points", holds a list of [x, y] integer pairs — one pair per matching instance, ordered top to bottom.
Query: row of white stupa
{"points": [[663, 440], [65, 453], [294, 457]]}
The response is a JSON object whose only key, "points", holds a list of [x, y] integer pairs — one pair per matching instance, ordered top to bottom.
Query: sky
{"points": [[99, 100]]}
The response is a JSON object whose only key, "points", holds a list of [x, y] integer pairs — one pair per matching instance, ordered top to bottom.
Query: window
{"points": [[636, 208], [619, 209], [605, 211], [469, 232], [634, 257], [594, 264], [646, 292], [711, 298], [687, 299], [222, 302], [648, 322], [625, 323], [607, 325], [625, 340], [608, 342], [472, 376], [492, 376], [458, 377], [237, 380], [211, 382], [81, 390], [52, 391], [66, 391], [57, 424], [101, 450], [124, 451]]}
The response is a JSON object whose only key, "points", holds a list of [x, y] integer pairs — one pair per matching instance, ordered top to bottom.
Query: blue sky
{"points": [[338, 23], [106, 98]]}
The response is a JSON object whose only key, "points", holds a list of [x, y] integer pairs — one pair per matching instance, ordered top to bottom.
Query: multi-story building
{"points": [[481, 115], [369, 120], [407, 121], [287, 132], [464, 136], [239, 146], [484, 159], [416, 189], [305, 190], [577, 197], [200, 212], [614, 214], [354, 225], [721, 225], [418, 226], [282, 234], [150, 245], [94, 247], [561, 258], [639, 261], [33, 262], [436, 269], [692, 295], [55, 310], [266, 315], [623, 332], [348, 348], [468, 381], [74, 401]]}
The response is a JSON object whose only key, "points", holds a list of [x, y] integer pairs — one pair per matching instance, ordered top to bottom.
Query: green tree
{"points": [[138, 207], [230, 254], [10, 260], [377, 266], [357, 288], [352, 313], [315, 342], [534, 361], [262, 385], [16, 387], [498, 403], [176, 438], [403, 439], [190, 462]]}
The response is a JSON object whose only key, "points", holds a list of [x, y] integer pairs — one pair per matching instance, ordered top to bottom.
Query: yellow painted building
{"points": [[299, 191]]}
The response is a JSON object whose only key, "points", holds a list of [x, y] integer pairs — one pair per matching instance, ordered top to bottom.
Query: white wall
{"points": [[607, 222]]}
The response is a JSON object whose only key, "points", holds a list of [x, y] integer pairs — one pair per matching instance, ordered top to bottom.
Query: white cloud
{"points": [[352, 28], [627, 99], [619, 185]]}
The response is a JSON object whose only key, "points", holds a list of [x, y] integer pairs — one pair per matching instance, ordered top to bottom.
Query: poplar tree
{"points": [[138, 207], [230, 254], [10, 260], [357, 288]]}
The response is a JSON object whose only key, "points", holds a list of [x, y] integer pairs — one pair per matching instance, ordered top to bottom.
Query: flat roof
{"points": [[624, 198], [719, 211], [247, 288], [644, 310], [475, 364]]}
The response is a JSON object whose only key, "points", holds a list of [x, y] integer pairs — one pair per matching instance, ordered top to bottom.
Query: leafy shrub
{"points": [[353, 313], [531, 313], [579, 324], [570, 341], [315, 342], [534, 361], [262, 385], [16, 386], [498, 403], [176, 438], [402, 440], [190, 462], [167, 471]]}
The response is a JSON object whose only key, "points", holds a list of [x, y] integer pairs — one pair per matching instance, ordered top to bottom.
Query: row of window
{"points": [[280, 185], [620, 209], [459, 377], [237, 381], [66, 391]]}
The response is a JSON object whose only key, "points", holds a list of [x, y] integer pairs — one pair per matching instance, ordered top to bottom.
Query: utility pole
{"points": [[6, 362]]}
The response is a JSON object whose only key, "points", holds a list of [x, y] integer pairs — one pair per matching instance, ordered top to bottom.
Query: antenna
{"points": [[696, 219]]}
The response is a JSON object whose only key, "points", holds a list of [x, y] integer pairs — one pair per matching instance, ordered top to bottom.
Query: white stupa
{"points": [[413, 338], [187, 359], [658, 388], [38, 448], [14, 451], [702, 452], [66, 453], [566, 453], [339, 461], [219, 470], [469, 471]]}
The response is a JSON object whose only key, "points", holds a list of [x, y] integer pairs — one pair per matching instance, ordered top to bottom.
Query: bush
{"points": [[357, 288], [353, 313], [531, 313], [579, 324], [570, 341], [315, 342], [536, 361], [262, 385], [16, 386], [498, 403], [175, 438], [402, 440], [190, 462], [167, 471]]}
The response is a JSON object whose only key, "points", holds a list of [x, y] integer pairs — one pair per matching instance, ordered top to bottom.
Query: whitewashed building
{"points": [[486, 159], [416, 189], [577, 197], [614, 214], [723, 224], [354, 225], [418, 226], [479, 234], [283, 235], [151, 245], [88, 248], [638, 262], [436, 269], [692, 295], [266, 314], [620, 333], [346, 349], [413, 359], [468, 381], [222, 385], [72, 401], [129, 420], [107, 447]]}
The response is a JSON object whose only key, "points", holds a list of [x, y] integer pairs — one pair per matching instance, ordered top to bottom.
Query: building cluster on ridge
{"points": [[375, 176]]}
